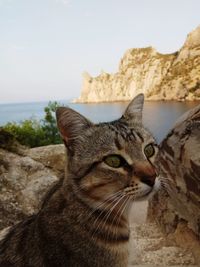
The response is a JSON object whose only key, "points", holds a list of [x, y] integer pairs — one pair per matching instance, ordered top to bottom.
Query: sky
{"points": [[46, 45]]}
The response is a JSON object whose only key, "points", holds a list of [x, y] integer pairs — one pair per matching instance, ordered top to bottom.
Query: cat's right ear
{"points": [[133, 112], [70, 123]]}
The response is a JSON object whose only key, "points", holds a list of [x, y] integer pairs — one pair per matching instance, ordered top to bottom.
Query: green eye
{"points": [[149, 150], [114, 161]]}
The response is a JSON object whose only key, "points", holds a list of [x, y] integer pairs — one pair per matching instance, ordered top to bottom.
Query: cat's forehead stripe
{"points": [[124, 131], [140, 136], [117, 143]]}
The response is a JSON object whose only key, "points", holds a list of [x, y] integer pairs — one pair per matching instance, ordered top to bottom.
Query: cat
{"points": [[83, 221]]}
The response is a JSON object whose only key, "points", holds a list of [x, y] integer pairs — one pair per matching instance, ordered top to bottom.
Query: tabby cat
{"points": [[84, 219]]}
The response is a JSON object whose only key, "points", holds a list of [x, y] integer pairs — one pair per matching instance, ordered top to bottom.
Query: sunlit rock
{"points": [[159, 76]]}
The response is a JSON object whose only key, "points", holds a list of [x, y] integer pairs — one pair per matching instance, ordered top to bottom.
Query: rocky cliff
{"points": [[159, 76]]}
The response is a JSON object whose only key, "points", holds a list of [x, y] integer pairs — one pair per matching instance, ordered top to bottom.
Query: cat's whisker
{"points": [[167, 179], [167, 185], [168, 190], [103, 204], [99, 205], [108, 206], [123, 208], [116, 213], [106, 216], [109, 233]]}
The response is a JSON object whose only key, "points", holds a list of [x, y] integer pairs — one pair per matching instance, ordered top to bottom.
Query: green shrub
{"points": [[49, 124], [33, 133]]}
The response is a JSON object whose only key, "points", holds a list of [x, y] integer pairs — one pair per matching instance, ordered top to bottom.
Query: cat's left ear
{"points": [[133, 112], [71, 124]]}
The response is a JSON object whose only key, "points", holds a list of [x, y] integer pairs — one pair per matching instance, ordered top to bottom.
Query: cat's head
{"points": [[109, 158]]}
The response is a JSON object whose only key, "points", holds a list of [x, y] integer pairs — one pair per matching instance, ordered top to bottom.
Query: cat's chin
{"points": [[146, 196]]}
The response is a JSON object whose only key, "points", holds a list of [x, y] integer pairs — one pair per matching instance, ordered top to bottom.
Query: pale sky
{"points": [[45, 45]]}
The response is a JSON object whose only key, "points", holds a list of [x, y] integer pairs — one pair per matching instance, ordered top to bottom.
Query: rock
{"points": [[159, 76], [52, 156], [24, 180], [178, 211], [150, 248]]}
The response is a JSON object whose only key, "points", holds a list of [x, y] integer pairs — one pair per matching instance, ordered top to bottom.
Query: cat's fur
{"points": [[84, 219]]}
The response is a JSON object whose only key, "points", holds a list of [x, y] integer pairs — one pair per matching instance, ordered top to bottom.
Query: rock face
{"points": [[143, 70], [52, 157], [24, 179], [178, 212], [150, 248]]}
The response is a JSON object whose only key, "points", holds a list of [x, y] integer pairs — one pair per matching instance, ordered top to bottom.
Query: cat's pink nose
{"points": [[146, 173]]}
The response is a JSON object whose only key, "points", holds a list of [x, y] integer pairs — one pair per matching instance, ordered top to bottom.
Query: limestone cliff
{"points": [[144, 70]]}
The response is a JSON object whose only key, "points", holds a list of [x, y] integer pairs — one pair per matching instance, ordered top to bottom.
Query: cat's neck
{"points": [[103, 223], [81, 226]]}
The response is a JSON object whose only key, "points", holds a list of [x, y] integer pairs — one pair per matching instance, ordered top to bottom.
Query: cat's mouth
{"points": [[147, 191], [151, 192], [144, 195]]}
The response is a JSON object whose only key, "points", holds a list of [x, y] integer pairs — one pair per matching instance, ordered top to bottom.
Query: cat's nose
{"points": [[146, 173], [149, 180]]}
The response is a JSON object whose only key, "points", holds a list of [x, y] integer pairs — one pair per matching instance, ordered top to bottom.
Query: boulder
{"points": [[52, 156], [24, 180], [177, 210]]}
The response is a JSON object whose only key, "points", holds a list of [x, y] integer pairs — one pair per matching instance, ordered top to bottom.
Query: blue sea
{"points": [[159, 116]]}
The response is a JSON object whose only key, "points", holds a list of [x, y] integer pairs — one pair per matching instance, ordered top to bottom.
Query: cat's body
{"points": [[84, 220], [36, 241]]}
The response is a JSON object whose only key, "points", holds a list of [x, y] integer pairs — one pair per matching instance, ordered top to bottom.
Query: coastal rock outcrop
{"points": [[159, 76], [178, 212]]}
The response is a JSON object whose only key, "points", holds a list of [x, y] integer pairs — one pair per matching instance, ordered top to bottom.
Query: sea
{"points": [[158, 116]]}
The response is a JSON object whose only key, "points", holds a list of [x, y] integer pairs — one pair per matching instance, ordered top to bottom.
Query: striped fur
{"points": [[84, 219]]}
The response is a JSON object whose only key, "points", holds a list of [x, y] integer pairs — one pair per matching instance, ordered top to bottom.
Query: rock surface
{"points": [[173, 76], [52, 156], [24, 180], [178, 212], [150, 249]]}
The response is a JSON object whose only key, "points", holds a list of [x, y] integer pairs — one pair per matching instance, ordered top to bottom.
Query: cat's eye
{"points": [[149, 150], [114, 161]]}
